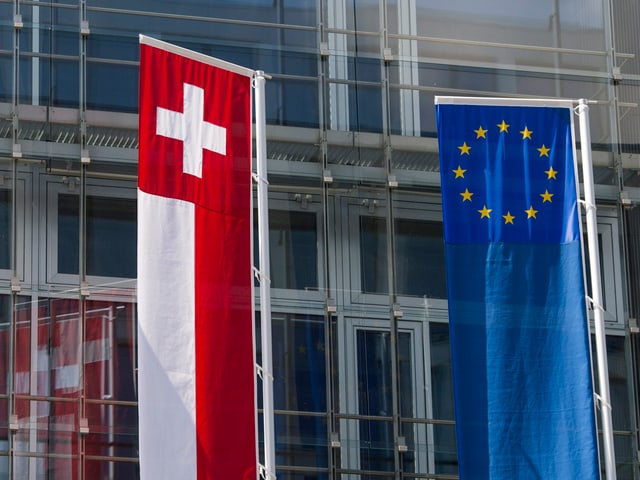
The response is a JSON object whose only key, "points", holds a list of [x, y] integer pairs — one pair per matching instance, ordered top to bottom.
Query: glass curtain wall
{"points": [[363, 383]]}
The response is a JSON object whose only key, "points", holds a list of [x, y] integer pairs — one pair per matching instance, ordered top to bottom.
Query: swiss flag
{"points": [[196, 357]]}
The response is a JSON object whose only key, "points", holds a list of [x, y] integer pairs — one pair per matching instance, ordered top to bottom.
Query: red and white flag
{"points": [[196, 372]]}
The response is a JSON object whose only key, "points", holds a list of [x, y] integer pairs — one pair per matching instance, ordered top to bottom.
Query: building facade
{"points": [[363, 386]]}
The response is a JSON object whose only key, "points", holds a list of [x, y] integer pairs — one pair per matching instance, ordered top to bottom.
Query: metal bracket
{"points": [[16, 151], [84, 157], [13, 423], [84, 426]]}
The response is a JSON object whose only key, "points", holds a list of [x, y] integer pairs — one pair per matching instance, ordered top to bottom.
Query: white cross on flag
{"points": [[195, 348]]}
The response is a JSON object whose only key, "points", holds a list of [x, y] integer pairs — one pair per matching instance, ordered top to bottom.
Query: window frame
{"points": [[53, 187], [298, 201], [405, 207], [22, 223], [348, 378]]}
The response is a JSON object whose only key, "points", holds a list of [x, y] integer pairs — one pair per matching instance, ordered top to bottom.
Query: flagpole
{"points": [[596, 291], [269, 468]]}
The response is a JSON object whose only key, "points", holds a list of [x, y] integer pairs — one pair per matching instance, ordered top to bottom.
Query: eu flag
{"points": [[517, 313]]}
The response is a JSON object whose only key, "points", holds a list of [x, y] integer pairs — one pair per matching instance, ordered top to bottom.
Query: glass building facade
{"points": [[363, 386]]}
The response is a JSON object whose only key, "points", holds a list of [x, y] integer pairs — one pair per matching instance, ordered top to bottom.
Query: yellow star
{"points": [[504, 127], [481, 132], [526, 133], [464, 149], [544, 151], [459, 172], [551, 173], [466, 195], [546, 196], [485, 212], [531, 213], [508, 218]]}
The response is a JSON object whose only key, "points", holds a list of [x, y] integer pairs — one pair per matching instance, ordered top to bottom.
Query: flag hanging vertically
{"points": [[517, 313], [196, 356]]}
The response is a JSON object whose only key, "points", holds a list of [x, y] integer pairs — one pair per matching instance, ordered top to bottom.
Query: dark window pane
{"points": [[6, 68], [112, 87], [292, 103], [365, 108], [5, 229], [111, 236], [293, 244], [373, 255], [420, 266], [5, 317], [299, 364], [300, 384], [375, 397], [301, 441], [445, 456]]}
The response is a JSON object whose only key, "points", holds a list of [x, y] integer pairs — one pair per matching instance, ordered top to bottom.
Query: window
{"points": [[111, 232], [294, 236], [419, 253], [610, 269], [366, 399]]}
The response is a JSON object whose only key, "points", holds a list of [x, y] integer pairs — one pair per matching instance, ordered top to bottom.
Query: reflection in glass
{"points": [[5, 229], [300, 385], [375, 396], [446, 460]]}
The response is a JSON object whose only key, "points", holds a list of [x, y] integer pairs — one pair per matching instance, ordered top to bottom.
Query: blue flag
{"points": [[523, 389]]}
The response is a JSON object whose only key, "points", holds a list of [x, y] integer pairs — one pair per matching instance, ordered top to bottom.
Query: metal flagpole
{"points": [[596, 291], [269, 468]]}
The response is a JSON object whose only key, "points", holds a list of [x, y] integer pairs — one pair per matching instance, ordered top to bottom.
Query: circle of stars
{"points": [[485, 212]]}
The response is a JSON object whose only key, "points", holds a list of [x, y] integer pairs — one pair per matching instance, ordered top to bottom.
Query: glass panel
{"points": [[296, 12], [548, 24], [6, 29], [49, 29], [6, 79], [65, 83], [112, 87], [292, 103], [365, 108], [5, 229], [111, 236], [293, 243], [373, 255], [420, 266], [110, 351], [299, 366], [54, 368], [374, 373], [375, 395], [46, 428], [113, 432], [301, 441], [376, 446], [445, 456], [102, 469], [284, 475]]}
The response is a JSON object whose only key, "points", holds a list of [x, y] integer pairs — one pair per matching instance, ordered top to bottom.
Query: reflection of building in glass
{"points": [[361, 347]]}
